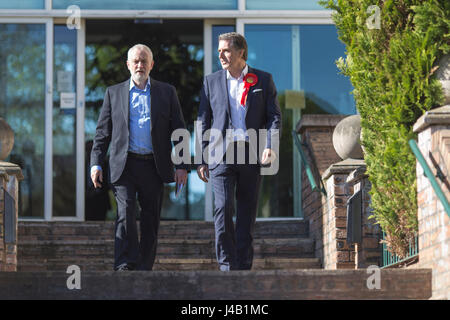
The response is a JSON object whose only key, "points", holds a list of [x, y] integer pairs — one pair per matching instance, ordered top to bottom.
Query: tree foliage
{"points": [[391, 68]]}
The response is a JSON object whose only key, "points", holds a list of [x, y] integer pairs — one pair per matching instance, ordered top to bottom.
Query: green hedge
{"points": [[391, 69]]}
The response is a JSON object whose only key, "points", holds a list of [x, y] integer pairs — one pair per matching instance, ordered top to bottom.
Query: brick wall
{"points": [[317, 132], [327, 215], [434, 223]]}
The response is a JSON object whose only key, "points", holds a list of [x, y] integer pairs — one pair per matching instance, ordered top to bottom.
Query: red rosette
{"points": [[250, 80]]}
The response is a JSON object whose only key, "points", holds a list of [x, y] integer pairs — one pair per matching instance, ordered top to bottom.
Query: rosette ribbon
{"points": [[250, 80]]}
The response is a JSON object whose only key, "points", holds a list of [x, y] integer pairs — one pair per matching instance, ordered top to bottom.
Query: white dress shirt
{"points": [[238, 112]]}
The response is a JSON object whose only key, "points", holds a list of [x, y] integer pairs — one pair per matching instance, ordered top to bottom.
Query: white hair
{"points": [[141, 47]]}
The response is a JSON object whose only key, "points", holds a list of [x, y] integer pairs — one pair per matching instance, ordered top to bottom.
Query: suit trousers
{"points": [[139, 178], [230, 181]]}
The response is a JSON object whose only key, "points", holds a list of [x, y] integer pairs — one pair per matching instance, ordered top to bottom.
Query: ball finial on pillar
{"points": [[346, 138], [6, 139]]}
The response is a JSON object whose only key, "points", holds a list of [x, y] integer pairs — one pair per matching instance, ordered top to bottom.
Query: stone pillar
{"points": [[433, 130], [10, 174], [343, 179], [369, 251], [337, 254]]}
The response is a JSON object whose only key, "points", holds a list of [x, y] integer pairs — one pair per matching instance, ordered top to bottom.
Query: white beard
{"points": [[139, 77]]}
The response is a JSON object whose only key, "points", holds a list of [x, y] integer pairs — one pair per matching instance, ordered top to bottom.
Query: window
{"points": [[23, 4], [148, 5], [283, 5], [300, 58], [22, 105]]}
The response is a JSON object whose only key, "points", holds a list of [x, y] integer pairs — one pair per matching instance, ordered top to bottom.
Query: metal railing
{"points": [[309, 173], [429, 174], [391, 259]]}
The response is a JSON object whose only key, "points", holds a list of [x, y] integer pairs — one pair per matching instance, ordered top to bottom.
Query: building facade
{"points": [[58, 56]]}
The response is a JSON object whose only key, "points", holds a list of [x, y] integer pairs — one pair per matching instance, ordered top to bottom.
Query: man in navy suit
{"points": [[236, 102], [136, 121]]}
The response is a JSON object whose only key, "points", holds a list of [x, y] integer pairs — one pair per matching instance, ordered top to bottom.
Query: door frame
{"points": [[207, 69], [80, 175]]}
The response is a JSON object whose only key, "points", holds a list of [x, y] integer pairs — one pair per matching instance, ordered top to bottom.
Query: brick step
{"points": [[91, 230], [167, 248], [100, 264], [258, 264], [215, 285]]}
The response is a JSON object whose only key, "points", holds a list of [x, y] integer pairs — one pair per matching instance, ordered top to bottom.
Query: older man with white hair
{"points": [[136, 121]]}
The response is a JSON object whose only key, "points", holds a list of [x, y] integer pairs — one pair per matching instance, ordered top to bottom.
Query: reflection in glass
{"points": [[22, 4], [148, 5], [283, 5], [177, 47], [318, 48], [300, 58], [320, 77], [22, 105], [64, 121]]}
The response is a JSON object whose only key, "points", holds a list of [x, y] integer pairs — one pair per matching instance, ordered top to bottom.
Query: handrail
{"points": [[305, 163], [429, 174], [391, 259]]}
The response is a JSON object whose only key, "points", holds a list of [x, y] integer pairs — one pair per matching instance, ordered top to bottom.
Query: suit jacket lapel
{"points": [[224, 88], [154, 100], [125, 101]]}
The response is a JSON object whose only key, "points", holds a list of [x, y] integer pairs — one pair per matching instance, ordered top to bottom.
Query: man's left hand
{"points": [[268, 156], [181, 176]]}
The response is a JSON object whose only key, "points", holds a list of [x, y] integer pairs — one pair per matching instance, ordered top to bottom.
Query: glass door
{"points": [[177, 47], [25, 98]]}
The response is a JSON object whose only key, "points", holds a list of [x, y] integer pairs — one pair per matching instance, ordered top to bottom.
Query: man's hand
{"points": [[268, 156], [203, 172], [181, 176], [97, 177]]}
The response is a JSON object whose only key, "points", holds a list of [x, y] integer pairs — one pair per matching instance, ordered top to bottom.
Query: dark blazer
{"points": [[263, 110], [113, 128]]}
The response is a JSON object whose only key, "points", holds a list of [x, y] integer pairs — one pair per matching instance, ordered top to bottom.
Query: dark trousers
{"points": [[139, 178], [234, 245]]}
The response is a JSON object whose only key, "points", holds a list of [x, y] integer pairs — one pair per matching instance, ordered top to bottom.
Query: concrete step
{"points": [[96, 230], [54, 245], [287, 248], [104, 264], [258, 264], [216, 285]]}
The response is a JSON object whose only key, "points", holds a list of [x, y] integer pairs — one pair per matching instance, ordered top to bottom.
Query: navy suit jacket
{"points": [[263, 111], [113, 128]]}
